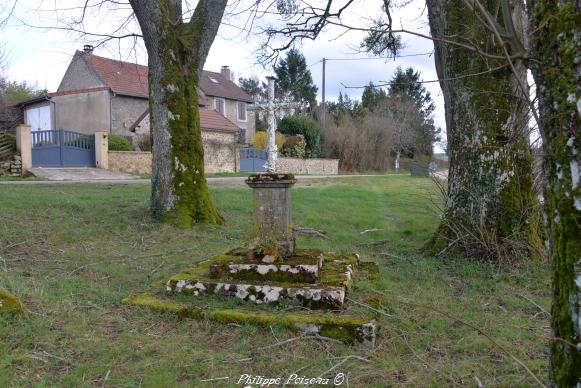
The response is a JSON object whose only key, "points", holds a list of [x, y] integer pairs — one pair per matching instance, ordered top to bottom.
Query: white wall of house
{"points": [[232, 111]]}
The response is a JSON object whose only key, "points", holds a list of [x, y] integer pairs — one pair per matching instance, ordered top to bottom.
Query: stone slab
{"points": [[307, 295], [347, 328]]}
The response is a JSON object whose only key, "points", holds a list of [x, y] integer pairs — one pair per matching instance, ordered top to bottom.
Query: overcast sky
{"points": [[41, 56]]}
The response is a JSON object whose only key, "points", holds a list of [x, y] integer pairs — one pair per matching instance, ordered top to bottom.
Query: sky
{"points": [[40, 56]]}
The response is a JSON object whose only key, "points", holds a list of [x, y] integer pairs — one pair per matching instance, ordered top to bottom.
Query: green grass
{"points": [[73, 252]]}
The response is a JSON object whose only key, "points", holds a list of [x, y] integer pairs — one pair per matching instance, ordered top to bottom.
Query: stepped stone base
{"points": [[310, 278], [313, 297], [347, 328]]}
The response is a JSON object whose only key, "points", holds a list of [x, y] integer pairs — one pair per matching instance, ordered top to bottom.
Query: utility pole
{"points": [[324, 114]]}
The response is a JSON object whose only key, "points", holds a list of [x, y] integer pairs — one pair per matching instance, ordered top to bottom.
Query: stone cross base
{"points": [[272, 214]]}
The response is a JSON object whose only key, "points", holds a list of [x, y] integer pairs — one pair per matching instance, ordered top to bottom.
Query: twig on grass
{"points": [[370, 230], [312, 232], [373, 243], [387, 254], [80, 268], [535, 304], [369, 307], [477, 329], [429, 365], [106, 378]]}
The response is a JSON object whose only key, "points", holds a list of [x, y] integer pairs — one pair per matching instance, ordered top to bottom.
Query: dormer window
{"points": [[214, 80]]}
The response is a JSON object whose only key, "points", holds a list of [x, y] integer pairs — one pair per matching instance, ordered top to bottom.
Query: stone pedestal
{"points": [[272, 214]]}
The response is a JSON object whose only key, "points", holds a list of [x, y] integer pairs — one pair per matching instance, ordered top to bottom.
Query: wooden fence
{"points": [[6, 146]]}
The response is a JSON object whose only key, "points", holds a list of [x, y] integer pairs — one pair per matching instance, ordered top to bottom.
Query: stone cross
{"points": [[271, 107]]}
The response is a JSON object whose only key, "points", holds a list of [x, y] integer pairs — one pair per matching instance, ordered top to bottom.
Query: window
{"points": [[214, 80], [219, 105], [241, 111]]}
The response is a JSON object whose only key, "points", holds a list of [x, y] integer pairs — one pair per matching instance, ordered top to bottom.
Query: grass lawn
{"points": [[73, 252]]}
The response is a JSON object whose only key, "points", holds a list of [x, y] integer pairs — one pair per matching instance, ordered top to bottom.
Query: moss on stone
{"points": [[154, 303], [11, 304], [243, 317]]}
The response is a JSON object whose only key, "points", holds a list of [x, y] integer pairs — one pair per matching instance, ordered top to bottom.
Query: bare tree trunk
{"points": [[177, 52], [556, 67], [490, 177]]}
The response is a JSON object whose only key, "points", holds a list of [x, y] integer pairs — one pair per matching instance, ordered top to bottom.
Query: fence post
{"points": [[24, 145], [102, 150]]}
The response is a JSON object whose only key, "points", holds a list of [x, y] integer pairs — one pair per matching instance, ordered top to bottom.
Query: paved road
{"points": [[51, 176]]}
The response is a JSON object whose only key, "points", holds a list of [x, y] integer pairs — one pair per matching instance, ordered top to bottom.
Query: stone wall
{"points": [[79, 75], [125, 111], [220, 155], [130, 161], [308, 166], [12, 167]]}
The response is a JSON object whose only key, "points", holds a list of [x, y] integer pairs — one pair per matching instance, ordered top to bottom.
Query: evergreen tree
{"points": [[295, 82], [408, 82], [372, 97]]}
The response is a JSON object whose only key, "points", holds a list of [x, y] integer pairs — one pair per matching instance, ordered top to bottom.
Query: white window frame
{"points": [[216, 99], [245, 111]]}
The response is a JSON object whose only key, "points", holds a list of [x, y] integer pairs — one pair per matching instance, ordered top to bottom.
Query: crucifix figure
{"points": [[271, 107]]}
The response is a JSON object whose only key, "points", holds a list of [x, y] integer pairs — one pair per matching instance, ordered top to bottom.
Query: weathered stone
{"points": [[272, 213], [295, 269], [305, 295], [10, 304], [347, 328]]}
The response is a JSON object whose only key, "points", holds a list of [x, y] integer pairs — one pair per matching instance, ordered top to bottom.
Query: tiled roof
{"points": [[125, 78], [130, 79], [216, 85], [211, 119]]}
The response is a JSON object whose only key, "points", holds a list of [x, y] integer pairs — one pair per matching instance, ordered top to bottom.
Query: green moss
{"points": [[556, 45], [490, 192], [192, 202], [154, 303], [10, 304], [241, 316]]}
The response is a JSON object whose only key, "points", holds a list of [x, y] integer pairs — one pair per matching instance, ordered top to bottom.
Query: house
{"points": [[103, 94]]}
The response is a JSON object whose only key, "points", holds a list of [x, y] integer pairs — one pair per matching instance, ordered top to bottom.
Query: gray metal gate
{"points": [[62, 148], [253, 159]]}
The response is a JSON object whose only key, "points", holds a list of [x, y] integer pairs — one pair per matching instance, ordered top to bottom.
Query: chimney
{"points": [[88, 48], [226, 72]]}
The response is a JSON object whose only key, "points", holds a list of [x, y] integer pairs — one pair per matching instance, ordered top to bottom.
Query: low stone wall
{"points": [[218, 157], [130, 161], [308, 166], [11, 167]]}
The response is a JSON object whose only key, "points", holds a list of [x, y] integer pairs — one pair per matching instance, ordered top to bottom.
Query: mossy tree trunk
{"points": [[177, 51], [556, 67], [490, 177]]}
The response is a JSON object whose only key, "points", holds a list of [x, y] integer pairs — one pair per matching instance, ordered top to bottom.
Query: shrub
{"points": [[306, 126], [11, 139], [260, 140], [144, 142], [119, 143], [295, 147]]}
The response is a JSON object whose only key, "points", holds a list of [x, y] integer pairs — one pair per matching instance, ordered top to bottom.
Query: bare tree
{"points": [[177, 51]]}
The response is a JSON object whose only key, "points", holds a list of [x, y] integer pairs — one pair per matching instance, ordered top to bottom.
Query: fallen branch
{"points": [[370, 230], [312, 232], [373, 243], [535, 304], [477, 329]]}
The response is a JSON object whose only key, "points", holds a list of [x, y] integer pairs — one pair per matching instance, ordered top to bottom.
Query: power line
{"points": [[378, 58]]}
